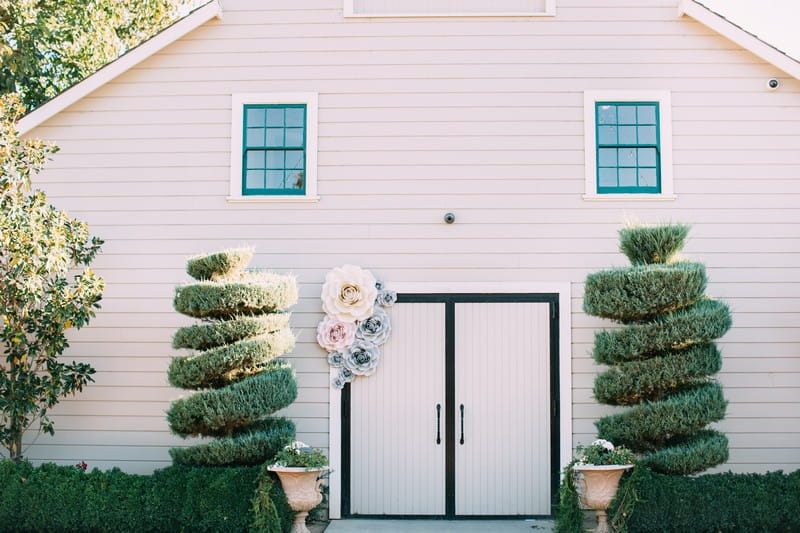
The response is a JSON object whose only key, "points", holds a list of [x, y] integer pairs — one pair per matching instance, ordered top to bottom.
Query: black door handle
{"points": [[438, 423], [462, 423]]}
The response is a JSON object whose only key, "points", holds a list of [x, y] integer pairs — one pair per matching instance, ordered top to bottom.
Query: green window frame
{"points": [[274, 149], [628, 151]]}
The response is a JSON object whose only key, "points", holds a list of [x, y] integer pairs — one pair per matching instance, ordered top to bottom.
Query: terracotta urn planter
{"points": [[597, 486], [302, 490]]}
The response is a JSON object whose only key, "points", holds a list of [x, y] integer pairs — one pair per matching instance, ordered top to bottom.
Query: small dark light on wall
{"points": [[449, 218]]}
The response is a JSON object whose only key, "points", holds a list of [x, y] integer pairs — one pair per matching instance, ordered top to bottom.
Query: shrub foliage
{"points": [[662, 358], [239, 379], [177, 498]]}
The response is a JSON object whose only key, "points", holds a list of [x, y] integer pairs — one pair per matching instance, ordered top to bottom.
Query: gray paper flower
{"points": [[386, 298], [375, 328], [362, 357], [335, 359], [346, 374], [337, 382]]}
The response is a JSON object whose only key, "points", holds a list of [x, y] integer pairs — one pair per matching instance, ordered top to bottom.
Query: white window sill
{"points": [[630, 197], [272, 199]]}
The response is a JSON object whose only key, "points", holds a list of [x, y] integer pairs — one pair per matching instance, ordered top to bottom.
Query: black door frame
{"points": [[450, 300]]}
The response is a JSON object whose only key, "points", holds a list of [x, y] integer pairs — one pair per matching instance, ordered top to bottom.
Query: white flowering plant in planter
{"points": [[355, 324], [603, 452], [300, 455]]}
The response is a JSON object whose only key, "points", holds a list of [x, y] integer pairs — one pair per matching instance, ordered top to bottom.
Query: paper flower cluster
{"points": [[355, 323]]}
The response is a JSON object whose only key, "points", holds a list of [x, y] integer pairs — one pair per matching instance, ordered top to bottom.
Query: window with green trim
{"points": [[274, 149], [628, 152]]}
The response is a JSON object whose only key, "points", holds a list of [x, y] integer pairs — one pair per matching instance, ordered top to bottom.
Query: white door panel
{"points": [[503, 381], [396, 465]]}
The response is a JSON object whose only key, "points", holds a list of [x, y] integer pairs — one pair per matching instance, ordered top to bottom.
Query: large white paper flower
{"points": [[349, 293], [375, 328], [334, 335], [362, 357]]}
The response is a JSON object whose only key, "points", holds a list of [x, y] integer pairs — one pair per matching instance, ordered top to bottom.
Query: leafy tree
{"points": [[48, 45], [42, 291], [662, 360]]}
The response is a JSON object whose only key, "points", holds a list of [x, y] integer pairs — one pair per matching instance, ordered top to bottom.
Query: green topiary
{"points": [[644, 245], [662, 359], [241, 382]]}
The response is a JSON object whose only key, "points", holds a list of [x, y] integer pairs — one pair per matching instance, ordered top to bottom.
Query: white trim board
{"points": [[349, 11], [167, 36], [748, 41], [564, 291]]}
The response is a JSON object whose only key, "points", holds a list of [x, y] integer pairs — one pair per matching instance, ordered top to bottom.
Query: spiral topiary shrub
{"points": [[662, 359], [241, 382]]}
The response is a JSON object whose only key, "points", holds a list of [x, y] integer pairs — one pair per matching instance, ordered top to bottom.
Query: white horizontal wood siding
{"points": [[417, 117]]}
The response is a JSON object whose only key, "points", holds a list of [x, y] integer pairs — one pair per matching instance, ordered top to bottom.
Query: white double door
{"points": [[488, 453]]}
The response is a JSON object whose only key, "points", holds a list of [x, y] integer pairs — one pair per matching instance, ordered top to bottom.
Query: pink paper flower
{"points": [[335, 336]]}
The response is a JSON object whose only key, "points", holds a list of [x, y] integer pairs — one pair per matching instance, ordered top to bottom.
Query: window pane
{"points": [[606, 114], [627, 114], [647, 114], [295, 116], [255, 117], [274, 117], [647, 134], [607, 135], [627, 135], [294, 136], [255, 137], [275, 137], [607, 157], [627, 157], [647, 157], [255, 159], [275, 159], [294, 159], [607, 177], [627, 177], [647, 177], [255, 179], [274, 179], [295, 179]]}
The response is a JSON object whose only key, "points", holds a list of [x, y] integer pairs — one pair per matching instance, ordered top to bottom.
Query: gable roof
{"points": [[212, 9], [747, 40], [131, 58]]}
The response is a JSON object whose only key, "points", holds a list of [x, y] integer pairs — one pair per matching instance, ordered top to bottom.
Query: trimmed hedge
{"points": [[650, 245], [220, 264], [640, 292], [254, 293], [696, 324], [205, 336], [223, 365], [630, 383], [218, 412], [642, 426], [245, 446], [177, 498], [716, 503]]}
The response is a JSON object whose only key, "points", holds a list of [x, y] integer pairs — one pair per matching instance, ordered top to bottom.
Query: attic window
{"points": [[449, 8]]}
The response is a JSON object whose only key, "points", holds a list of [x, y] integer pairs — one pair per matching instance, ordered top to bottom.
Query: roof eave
{"points": [[192, 21], [748, 41]]}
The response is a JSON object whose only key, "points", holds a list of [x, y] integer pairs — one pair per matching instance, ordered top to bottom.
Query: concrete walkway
{"points": [[362, 525]]}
